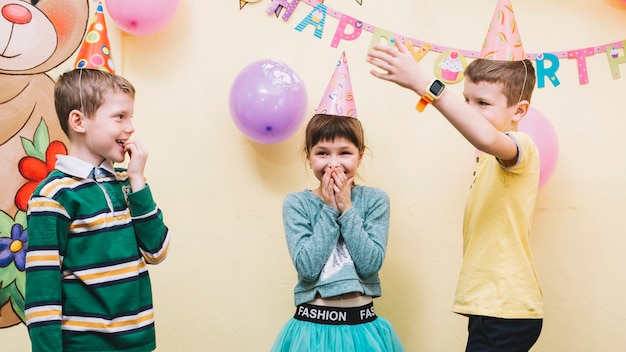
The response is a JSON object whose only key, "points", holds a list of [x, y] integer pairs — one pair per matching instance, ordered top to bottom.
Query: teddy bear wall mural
{"points": [[36, 36]]}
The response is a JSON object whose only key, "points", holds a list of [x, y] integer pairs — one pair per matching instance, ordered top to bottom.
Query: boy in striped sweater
{"points": [[93, 228]]}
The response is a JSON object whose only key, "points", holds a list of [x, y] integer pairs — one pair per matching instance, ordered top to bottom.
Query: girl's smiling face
{"points": [[339, 153]]}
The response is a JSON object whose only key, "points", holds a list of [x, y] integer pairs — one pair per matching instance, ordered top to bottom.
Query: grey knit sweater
{"points": [[336, 254]]}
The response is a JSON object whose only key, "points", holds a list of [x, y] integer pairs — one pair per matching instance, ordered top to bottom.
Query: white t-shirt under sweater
{"points": [[498, 277]]}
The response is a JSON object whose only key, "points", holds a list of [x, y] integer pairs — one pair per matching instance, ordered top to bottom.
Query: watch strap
{"points": [[428, 97], [424, 101]]}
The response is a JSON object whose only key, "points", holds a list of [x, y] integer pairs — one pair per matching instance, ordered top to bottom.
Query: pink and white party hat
{"points": [[503, 41], [95, 52], [338, 98]]}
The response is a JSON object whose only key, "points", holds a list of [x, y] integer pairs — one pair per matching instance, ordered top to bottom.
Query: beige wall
{"points": [[227, 284]]}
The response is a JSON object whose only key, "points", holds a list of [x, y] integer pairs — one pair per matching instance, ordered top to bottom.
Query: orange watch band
{"points": [[433, 91], [424, 101]]}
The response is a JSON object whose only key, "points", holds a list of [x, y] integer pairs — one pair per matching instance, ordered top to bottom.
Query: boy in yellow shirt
{"points": [[498, 287]]}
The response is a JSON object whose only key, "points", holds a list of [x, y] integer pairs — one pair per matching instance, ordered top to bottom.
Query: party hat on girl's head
{"points": [[503, 41], [95, 53], [338, 98]]}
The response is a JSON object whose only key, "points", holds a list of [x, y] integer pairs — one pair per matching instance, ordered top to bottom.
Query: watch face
{"points": [[437, 88]]}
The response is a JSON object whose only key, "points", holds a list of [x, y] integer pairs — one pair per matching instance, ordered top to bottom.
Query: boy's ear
{"points": [[521, 110], [76, 122]]}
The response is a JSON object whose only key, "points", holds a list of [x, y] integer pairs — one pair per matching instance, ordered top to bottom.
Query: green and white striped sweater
{"points": [[89, 240]]}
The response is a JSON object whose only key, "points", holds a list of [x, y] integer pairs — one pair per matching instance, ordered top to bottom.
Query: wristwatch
{"points": [[433, 91]]}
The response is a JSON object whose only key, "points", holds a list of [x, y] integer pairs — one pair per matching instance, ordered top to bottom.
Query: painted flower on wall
{"points": [[38, 162], [34, 167], [13, 246], [13, 249]]}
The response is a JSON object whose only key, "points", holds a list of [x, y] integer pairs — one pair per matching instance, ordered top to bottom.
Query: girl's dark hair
{"points": [[324, 127]]}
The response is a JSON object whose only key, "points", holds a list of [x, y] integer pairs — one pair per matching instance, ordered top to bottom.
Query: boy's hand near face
{"points": [[136, 166]]}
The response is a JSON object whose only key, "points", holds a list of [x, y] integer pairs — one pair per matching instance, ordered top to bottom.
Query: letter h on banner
{"points": [[277, 5]]}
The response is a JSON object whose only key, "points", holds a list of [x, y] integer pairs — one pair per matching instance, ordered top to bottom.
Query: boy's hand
{"points": [[399, 66], [138, 158]]}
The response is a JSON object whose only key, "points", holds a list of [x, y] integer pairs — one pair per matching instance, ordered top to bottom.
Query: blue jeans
{"points": [[489, 334]]}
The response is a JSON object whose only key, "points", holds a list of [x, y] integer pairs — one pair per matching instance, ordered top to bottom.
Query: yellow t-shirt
{"points": [[498, 277]]}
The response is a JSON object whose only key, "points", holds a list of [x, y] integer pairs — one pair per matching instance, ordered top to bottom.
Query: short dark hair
{"points": [[85, 90], [323, 127]]}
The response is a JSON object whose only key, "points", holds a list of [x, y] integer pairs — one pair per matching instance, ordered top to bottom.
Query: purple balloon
{"points": [[268, 101]]}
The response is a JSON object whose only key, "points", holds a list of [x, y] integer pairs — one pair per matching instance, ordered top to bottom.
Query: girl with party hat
{"points": [[337, 236], [498, 289]]}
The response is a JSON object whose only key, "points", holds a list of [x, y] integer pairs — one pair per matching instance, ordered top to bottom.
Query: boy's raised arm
{"points": [[397, 65]]}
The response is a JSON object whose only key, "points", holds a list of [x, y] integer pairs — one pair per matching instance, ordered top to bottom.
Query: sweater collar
{"points": [[79, 168]]}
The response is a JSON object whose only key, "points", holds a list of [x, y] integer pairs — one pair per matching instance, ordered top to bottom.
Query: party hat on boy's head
{"points": [[503, 41], [95, 53], [338, 98]]}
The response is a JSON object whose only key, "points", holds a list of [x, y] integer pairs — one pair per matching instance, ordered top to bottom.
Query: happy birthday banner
{"points": [[450, 64]]}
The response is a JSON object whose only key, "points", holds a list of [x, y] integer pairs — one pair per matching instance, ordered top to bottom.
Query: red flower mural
{"points": [[34, 170]]}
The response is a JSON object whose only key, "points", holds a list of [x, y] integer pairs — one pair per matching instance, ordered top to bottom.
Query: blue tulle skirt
{"points": [[304, 336]]}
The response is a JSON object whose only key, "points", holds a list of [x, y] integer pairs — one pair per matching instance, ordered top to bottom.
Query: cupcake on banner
{"points": [[503, 41], [95, 52], [450, 66], [338, 98]]}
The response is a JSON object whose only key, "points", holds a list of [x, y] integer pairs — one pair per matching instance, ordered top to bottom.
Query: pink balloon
{"points": [[141, 17], [268, 101], [537, 126]]}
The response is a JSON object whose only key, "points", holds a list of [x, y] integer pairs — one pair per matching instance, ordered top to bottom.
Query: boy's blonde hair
{"points": [[516, 77], [85, 90]]}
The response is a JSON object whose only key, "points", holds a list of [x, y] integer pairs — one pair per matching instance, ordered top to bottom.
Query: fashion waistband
{"points": [[335, 315]]}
